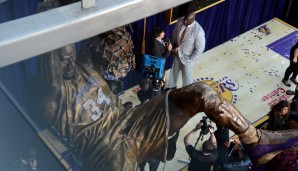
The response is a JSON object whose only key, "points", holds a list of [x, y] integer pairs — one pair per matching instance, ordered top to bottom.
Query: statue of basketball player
{"points": [[84, 111]]}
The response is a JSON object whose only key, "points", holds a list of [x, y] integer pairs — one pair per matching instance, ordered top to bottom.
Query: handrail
{"points": [[27, 37]]}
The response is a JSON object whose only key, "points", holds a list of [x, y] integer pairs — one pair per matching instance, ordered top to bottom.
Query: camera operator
{"points": [[201, 160]]}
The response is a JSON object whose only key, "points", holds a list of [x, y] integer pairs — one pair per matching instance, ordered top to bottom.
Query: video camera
{"points": [[153, 67], [152, 72], [205, 127]]}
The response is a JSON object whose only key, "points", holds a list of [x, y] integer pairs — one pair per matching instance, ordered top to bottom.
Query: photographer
{"points": [[201, 160]]}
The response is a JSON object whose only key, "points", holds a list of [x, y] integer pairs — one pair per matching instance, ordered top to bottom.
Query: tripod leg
{"points": [[198, 139]]}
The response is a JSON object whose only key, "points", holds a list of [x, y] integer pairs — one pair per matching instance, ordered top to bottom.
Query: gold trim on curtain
{"points": [[144, 38]]}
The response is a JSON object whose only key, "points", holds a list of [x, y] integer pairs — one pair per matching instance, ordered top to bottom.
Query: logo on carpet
{"points": [[264, 29], [224, 86], [273, 97]]}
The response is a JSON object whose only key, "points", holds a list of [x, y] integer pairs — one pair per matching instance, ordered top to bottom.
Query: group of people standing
{"points": [[187, 44], [218, 153]]}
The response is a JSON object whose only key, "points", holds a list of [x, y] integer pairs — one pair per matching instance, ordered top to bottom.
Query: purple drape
{"points": [[221, 23]]}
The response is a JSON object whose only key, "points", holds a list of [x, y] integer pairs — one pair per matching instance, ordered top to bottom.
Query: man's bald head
{"points": [[189, 18]]}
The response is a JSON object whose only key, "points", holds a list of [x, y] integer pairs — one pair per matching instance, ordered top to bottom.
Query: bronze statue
{"points": [[80, 106], [83, 110]]}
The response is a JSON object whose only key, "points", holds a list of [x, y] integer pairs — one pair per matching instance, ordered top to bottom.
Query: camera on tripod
{"points": [[153, 67], [152, 72], [205, 127]]}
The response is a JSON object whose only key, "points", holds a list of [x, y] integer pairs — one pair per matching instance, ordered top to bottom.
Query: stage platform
{"points": [[247, 70]]}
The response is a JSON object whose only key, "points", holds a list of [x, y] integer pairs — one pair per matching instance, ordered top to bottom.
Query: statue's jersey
{"points": [[88, 100]]}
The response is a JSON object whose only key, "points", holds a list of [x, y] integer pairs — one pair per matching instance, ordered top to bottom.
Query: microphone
{"points": [[166, 40]]}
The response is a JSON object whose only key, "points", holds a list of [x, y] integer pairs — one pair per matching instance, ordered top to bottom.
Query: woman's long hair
{"points": [[276, 109], [276, 120]]}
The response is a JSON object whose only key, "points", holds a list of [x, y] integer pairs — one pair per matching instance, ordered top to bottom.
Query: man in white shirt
{"points": [[189, 38]]}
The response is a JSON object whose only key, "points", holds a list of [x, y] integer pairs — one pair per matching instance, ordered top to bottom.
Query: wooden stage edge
{"points": [[286, 23]]}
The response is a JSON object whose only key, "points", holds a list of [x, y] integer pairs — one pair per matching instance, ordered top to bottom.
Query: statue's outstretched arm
{"points": [[261, 145]]}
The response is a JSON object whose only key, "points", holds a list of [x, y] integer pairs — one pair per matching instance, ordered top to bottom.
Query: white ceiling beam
{"points": [[36, 34]]}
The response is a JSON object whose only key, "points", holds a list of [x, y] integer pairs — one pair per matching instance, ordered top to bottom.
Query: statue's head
{"points": [[68, 57]]}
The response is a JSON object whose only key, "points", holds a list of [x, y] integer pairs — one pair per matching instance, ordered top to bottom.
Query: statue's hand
{"points": [[227, 115], [233, 118]]}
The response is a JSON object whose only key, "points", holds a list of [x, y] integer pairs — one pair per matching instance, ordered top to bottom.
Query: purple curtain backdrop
{"points": [[221, 23]]}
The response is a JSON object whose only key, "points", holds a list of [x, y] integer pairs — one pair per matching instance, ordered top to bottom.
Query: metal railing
{"points": [[36, 34]]}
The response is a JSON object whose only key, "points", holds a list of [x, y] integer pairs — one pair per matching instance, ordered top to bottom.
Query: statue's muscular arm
{"points": [[52, 80], [200, 97], [261, 145]]}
